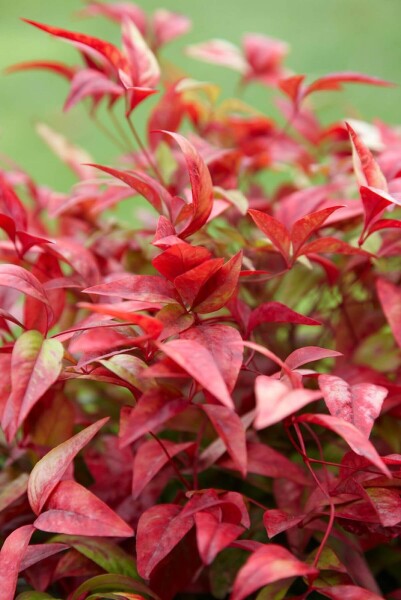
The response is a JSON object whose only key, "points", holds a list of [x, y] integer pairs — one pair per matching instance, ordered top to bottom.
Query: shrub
{"points": [[221, 378]]}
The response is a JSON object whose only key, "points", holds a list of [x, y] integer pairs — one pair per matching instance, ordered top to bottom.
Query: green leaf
{"points": [[104, 553], [114, 584], [35, 596]]}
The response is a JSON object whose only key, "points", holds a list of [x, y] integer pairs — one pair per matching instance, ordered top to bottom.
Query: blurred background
{"points": [[324, 35]]}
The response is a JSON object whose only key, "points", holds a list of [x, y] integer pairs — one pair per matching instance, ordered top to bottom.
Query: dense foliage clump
{"points": [[203, 402]]}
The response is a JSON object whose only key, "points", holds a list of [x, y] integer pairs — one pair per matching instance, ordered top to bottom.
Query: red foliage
{"points": [[175, 393]]}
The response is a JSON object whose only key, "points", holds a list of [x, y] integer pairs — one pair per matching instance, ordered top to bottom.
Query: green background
{"points": [[325, 35]]}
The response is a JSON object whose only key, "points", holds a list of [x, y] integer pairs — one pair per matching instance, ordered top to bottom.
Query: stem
{"points": [[121, 130], [107, 132], [149, 158], [171, 461], [323, 490]]}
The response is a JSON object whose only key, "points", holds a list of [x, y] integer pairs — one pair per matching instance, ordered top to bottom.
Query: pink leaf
{"points": [[168, 25], [219, 52], [366, 168], [143, 184], [331, 245], [390, 299], [223, 342], [308, 354], [199, 363], [275, 401], [359, 404], [151, 411], [229, 427], [354, 438], [150, 458], [50, 469], [72, 509], [276, 521], [160, 529], [213, 536], [38, 552], [11, 555], [266, 565], [348, 592]]}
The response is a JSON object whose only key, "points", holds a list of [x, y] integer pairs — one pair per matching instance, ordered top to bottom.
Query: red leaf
{"points": [[104, 49], [47, 65], [333, 81], [91, 83], [366, 168], [144, 185], [202, 189], [374, 203], [384, 224], [303, 228], [274, 230], [331, 245], [179, 259], [22, 280], [189, 284], [149, 288], [218, 290], [390, 299], [275, 312], [151, 326], [223, 342], [308, 354], [199, 363], [36, 364], [275, 401], [359, 404], [151, 411], [229, 427], [354, 438], [150, 458], [265, 461], [50, 469], [72, 509], [276, 521], [160, 529], [213, 536], [38, 552], [11, 555], [268, 564]]}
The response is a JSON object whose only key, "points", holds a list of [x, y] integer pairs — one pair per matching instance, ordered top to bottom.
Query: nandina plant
{"points": [[206, 402]]}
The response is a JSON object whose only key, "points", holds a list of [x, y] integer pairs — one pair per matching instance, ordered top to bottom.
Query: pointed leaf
{"points": [[366, 168], [201, 184], [303, 228], [274, 230], [218, 290], [390, 299], [275, 312], [308, 354], [199, 363], [36, 364], [275, 401], [359, 404], [231, 430], [354, 438], [50, 469], [73, 509], [213, 536], [11, 555], [268, 564]]}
